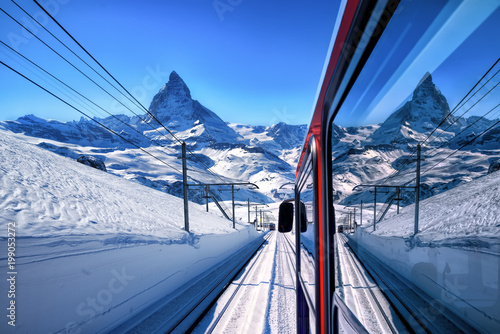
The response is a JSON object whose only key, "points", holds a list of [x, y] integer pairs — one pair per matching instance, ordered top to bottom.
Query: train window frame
{"points": [[332, 106], [309, 168]]}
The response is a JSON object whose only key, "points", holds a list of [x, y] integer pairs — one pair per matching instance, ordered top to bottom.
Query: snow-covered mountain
{"points": [[424, 112], [370, 154], [265, 155]]}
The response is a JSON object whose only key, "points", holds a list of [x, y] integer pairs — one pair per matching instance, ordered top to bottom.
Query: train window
{"points": [[415, 169], [285, 218], [308, 237]]}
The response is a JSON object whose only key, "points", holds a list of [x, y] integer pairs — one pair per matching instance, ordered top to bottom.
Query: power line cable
{"points": [[74, 53], [72, 65], [84, 97], [459, 103], [471, 107], [94, 111], [147, 111], [92, 119], [463, 130], [467, 143], [461, 147], [407, 160], [204, 165]]}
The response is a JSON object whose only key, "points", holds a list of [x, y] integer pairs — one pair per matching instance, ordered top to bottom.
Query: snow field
{"points": [[93, 249]]}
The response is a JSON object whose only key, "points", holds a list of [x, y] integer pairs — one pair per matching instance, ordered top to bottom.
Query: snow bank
{"points": [[92, 249], [464, 281]]}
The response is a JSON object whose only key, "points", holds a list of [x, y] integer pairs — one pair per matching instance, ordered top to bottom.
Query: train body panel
{"points": [[379, 50]]}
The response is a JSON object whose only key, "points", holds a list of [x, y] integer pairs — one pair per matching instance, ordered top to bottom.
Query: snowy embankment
{"points": [[93, 249], [455, 258]]}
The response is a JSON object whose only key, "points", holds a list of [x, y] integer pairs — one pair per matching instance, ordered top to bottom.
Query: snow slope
{"points": [[49, 195], [469, 211], [93, 249]]}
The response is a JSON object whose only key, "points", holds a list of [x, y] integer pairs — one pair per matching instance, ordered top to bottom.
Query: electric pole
{"points": [[185, 187], [417, 189], [232, 196], [375, 209], [361, 214]]}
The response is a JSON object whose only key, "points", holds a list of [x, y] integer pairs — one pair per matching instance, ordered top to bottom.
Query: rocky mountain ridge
{"points": [[258, 150], [267, 155]]}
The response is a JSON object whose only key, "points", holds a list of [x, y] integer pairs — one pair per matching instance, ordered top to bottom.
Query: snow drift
{"points": [[93, 249]]}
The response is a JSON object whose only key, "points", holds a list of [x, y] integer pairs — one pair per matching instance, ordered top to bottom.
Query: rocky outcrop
{"points": [[92, 162]]}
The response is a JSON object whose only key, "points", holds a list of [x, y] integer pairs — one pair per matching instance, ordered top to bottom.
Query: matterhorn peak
{"points": [[177, 86], [174, 90], [428, 93], [427, 108]]}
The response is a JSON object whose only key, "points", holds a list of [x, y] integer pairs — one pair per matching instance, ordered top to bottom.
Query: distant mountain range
{"points": [[370, 154], [267, 155]]}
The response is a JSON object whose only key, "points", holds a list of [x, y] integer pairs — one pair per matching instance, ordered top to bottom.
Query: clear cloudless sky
{"points": [[253, 62]]}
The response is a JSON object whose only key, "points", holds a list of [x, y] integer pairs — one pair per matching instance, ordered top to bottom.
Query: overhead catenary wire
{"points": [[74, 53], [80, 71], [52, 84], [107, 92], [84, 97], [457, 107], [144, 108], [470, 108], [92, 119], [463, 130], [457, 136], [466, 143], [458, 149], [191, 154]]}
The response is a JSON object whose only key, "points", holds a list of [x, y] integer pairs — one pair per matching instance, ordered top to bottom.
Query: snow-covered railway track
{"points": [[361, 293], [242, 306], [417, 310], [180, 311], [281, 312]]}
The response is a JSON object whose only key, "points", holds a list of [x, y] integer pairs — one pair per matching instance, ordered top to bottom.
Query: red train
{"points": [[380, 51]]}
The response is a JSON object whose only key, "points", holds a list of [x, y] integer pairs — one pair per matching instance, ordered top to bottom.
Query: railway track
{"points": [[361, 294], [261, 299], [242, 306], [418, 312], [174, 315]]}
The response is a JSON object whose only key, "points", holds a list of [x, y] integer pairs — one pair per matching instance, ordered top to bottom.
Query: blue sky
{"points": [[456, 41], [256, 62]]}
